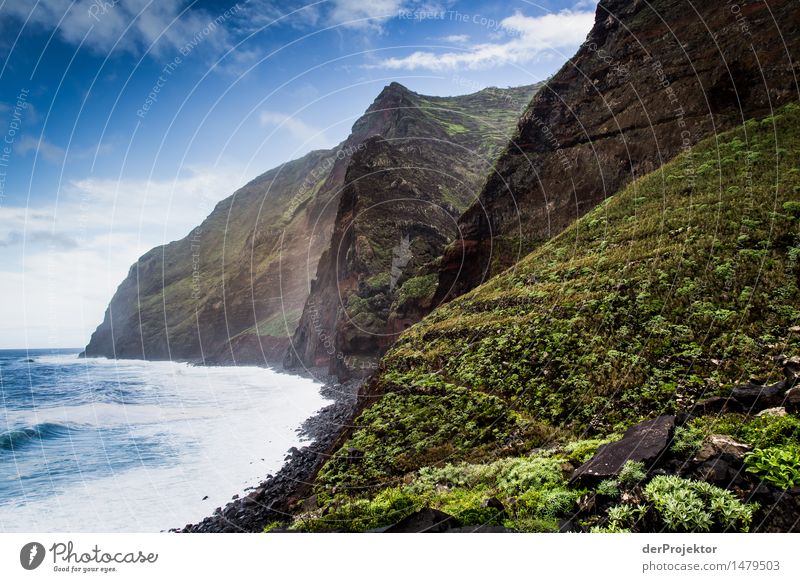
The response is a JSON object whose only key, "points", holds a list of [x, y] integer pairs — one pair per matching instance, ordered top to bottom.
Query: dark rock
{"points": [[791, 369], [755, 397], [792, 400], [716, 405], [643, 442], [354, 455], [724, 471], [493, 503], [778, 512], [425, 520]]}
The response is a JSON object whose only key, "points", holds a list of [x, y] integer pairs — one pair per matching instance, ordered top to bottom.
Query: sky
{"points": [[125, 121]]}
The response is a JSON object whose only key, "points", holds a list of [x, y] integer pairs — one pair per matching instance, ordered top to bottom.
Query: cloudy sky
{"points": [[125, 121]]}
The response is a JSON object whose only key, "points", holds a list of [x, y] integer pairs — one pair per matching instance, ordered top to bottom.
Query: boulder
{"points": [[791, 370], [754, 397], [792, 400], [716, 405], [777, 411], [643, 442], [717, 444], [723, 471], [778, 511], [425, 520]]}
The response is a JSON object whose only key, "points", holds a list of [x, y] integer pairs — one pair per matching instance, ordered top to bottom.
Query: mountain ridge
{"points": [[230, 291]]}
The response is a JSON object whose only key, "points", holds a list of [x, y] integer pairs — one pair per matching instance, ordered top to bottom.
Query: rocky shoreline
{"points": [[273, 498]]}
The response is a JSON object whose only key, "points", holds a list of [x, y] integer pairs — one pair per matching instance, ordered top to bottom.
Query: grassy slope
{"points": [[667, 293]]}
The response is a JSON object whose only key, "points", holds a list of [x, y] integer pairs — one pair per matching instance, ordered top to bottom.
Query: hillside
{"points": [[652, 79], [679, 288], [234, 289]]}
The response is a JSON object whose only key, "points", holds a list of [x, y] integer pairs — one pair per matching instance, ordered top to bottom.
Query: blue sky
{"points": [[125, 121]]}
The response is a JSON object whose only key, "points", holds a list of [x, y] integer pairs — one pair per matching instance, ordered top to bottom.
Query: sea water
{"points": [[102, 445]]}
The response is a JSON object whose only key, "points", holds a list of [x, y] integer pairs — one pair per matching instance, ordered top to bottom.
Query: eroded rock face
{"points": [[651, 79], [401, 198], [644, 442]]}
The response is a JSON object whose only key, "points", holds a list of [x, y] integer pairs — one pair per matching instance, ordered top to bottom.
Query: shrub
{"points": [[771, 431], [688, 439], [583, 450], [778, 466], [632, 472], [520, 474], [608, 488], [684, 505]]}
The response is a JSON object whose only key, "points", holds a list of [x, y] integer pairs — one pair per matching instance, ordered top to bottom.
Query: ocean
{"points": [[96, 445]]}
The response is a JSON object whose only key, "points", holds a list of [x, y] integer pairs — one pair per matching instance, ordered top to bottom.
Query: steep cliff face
{"points": [[652, 79], [402, 194], [226, 289], [233, 290]]}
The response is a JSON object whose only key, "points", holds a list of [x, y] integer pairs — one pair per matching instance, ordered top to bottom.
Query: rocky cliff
{"points": [[652, 79], [402, 194], [234, 289], [224, 290]]}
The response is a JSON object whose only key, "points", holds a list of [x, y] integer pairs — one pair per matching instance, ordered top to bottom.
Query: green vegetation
{"points": [[415, 289], [673, 290], [650, 302], [281, 324], [760, 431], [778, 466], [523, 493], [674, 504]]}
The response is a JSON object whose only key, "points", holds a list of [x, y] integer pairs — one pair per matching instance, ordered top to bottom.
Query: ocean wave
{"points": [[14, 439]]}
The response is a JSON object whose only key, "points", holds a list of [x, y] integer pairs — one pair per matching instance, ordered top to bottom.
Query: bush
{"points": [[688, 439], [582, 451], [778, 466], [632, 473], [520, 474], [608, 488], [684, 506]]}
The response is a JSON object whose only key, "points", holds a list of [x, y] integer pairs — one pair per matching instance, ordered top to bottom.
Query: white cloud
{"points": [[364, 13], [136, 24], [531, 37], [456, 38], [297, 128], [56, 154], [61, 263]]}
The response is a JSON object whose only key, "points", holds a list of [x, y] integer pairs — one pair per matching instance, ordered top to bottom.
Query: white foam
{"points": [[232, 427]]}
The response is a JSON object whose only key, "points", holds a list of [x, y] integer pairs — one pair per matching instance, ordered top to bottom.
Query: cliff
{"points": [[651, 80], [401, 197], [234, 289]]}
